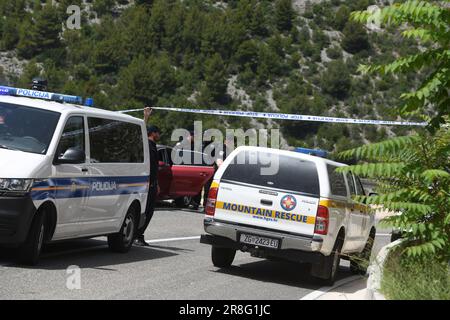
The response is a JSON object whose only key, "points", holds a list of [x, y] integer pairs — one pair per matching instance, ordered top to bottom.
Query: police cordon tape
{"points": [[283, 116]]}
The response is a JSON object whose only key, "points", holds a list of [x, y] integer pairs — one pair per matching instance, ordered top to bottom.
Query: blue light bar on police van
{"points": [[9, 91], [313, 152]]}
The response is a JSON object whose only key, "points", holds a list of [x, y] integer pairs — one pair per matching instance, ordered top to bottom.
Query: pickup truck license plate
{"points": [[259, 241]]}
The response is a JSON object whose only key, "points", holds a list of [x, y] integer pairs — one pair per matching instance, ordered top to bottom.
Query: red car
{"points": [[181, 182]]}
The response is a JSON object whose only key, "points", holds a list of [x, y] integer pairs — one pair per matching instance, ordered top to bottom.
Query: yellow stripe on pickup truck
{"points": [[342, 205], [265, 213]]}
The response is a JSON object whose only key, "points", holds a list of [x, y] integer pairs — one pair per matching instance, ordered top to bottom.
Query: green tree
{"points": [[284, 15], [342, 17], [258, 21], [428, 22], [48, 27], [42, 33], [9, 34], [355, 37], [27, 47], [247, 55], [336, 79], [146, 80], [215, 86], [414, 171], [414, 178]]}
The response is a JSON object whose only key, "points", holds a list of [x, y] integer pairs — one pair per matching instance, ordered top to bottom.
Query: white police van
{"points": [[68, 171], [286, 205]]}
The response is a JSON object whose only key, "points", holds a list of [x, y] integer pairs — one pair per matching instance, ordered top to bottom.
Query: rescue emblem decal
{"points": [[288, 202]]}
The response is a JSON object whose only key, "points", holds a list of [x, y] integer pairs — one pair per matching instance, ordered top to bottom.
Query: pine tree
{"points": [[284, 15], [341, 18], [258, 22], [48, 27], [9, 34], [355, 38], [27, 46], [215, 79], [146, 80], [336, 80]]}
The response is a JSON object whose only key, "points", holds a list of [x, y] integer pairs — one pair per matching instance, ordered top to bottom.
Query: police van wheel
{"points": [[122, 241], [30, 251], [222, 257]]}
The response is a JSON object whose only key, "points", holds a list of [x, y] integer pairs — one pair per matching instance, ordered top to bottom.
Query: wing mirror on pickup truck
{"points": [[72, 156]]}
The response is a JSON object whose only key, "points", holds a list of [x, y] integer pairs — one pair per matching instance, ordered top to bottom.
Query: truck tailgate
{"points": [[276, 210]]}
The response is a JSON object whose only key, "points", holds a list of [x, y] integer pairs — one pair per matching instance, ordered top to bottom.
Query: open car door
{"points": [[164, 173], [188, 179]]}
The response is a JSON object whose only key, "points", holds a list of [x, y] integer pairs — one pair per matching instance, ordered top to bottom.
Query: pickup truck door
{"points": [[367, 215], [356, 216]]}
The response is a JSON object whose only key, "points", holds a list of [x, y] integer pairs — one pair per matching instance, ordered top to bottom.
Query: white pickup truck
{"points": [[303, 211]]}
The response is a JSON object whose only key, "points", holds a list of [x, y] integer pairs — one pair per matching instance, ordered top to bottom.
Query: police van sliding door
{"points": [[117, 173], [69, 184]]}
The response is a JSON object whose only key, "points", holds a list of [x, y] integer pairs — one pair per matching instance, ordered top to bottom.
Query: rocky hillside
{"points": [[278, 56]]}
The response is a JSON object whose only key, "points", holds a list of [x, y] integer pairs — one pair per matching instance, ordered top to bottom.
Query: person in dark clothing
{"points": [[153, 133], [219, 158]]}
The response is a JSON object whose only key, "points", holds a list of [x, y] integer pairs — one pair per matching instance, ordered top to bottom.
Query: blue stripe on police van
{"points": [[61, 188]]}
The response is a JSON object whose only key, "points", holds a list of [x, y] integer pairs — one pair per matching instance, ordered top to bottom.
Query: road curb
{"points": [[375, 272], [324, 290]]}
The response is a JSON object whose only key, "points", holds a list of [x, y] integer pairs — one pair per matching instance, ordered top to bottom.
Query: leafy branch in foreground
{"points": [[428, 22], [417, 187]]}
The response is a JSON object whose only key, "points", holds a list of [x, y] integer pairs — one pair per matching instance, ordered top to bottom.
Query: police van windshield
{"points": [[26, 129], [289, 173]]}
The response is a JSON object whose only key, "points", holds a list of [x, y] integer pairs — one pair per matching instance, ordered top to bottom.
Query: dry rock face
{"points": [[10, 65]]}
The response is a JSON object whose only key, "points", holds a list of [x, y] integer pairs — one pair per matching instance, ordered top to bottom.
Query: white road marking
{"points": [[173, 239], [320, 292]]}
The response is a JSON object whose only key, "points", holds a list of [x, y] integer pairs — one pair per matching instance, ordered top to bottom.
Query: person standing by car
{"points": [[153, 133], [219, 157]]}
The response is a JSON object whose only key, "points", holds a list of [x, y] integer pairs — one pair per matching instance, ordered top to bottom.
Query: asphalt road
{"points": [[175, 266]]}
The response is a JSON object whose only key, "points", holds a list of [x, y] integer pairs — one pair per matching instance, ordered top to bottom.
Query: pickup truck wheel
{"points": [[122, 241], [30, 251], [222, 257], [360, 263], [330, 266]]}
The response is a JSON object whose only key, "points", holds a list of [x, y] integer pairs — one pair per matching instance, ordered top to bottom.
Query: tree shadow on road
{"points": [[280, 272]]}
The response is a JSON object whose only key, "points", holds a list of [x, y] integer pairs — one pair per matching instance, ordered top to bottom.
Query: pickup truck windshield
{"points": [[26, 129], [293, 174]]}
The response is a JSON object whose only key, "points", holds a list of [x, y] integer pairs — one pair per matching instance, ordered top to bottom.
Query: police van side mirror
{"points": [[72, 156]]}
